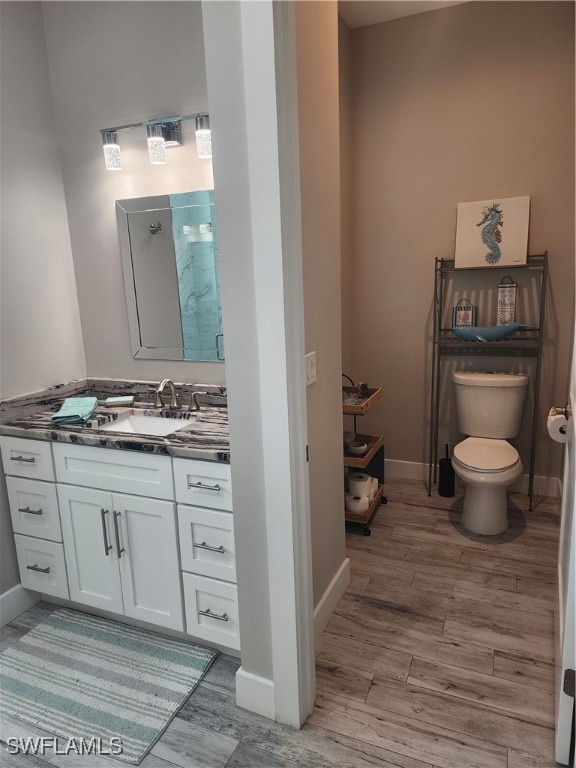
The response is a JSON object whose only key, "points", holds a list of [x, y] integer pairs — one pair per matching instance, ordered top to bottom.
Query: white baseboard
{"points": [[405, 470], [413, 470], [543, 486], [331, 597], [15, 601], [255, 694]]}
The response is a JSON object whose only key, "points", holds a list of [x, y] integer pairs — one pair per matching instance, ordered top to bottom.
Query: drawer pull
{"points": [[31, 460], [205, 487], [30, 511], [117, 532], [107, 547], [219, 549], [38, 569], [209, 613]]}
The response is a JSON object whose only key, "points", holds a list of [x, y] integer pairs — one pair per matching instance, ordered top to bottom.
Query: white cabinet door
{"points": [[90, 547], [149, 564]]}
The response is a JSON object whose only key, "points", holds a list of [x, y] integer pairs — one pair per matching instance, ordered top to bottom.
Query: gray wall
{"points": [[317, 58], [111, 64], [459, 104], [346, 192], [41, 337]]}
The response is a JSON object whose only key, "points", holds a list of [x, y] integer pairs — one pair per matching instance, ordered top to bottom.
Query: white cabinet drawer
{"points": [[27, 458], [142, 474], [203, 483], [34, 508], [207, 542], [42, 566], [211, 610]]}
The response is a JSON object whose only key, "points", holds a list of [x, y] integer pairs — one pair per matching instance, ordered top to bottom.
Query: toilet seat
{"points": [[482, 454]]}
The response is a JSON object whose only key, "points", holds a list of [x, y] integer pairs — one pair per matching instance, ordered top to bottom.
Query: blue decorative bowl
{"points": [[489, 332]]}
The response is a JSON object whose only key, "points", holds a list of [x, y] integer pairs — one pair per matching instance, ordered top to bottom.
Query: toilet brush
{"points": [[446, 476]]}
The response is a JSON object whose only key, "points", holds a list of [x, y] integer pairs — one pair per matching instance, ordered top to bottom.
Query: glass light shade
{"points": [[203, 137], [156, 145], [112, 155]]}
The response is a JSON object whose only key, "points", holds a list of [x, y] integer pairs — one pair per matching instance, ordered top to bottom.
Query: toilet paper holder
{"points": [[566, 412], [557, 423]]}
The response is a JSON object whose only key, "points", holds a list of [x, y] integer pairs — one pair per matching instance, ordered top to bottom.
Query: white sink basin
{"points": [[137, 424]]}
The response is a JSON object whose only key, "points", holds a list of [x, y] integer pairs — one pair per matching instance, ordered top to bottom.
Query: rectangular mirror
{"points": [[169, 256]]}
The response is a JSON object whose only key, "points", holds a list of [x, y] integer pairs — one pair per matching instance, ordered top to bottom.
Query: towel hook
{"points": [[155, 228]]}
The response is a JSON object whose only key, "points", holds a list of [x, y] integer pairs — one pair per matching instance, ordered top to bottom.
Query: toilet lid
{"points": [[486, 454]]}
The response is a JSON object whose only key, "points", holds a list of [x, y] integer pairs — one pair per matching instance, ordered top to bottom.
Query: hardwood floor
{"points": [[457, 632], [439, 656]]}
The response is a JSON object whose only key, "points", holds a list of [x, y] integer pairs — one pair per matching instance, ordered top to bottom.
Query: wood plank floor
{"points": [[456, 631], [439, 656]]}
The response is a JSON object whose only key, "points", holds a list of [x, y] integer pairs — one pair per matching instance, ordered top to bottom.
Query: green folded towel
{"points": [[75, 410]]}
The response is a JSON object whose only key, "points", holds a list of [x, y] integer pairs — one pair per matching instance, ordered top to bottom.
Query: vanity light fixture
{"points": [[161, 133], [172, 133], [203, 137], [112, 155]]}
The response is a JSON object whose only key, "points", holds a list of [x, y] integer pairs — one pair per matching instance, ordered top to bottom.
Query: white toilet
{"points": [[489, 407]]}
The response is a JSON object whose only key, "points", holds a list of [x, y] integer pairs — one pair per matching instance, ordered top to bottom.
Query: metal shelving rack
{"points": [[526, 343]]}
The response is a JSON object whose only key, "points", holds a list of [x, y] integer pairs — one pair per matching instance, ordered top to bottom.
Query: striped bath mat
{"points": [[85, 678]]}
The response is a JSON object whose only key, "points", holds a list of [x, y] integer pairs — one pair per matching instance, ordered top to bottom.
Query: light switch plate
{"points": [[310, 359]]}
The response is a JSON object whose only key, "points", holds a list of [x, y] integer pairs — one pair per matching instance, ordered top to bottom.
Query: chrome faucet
{"points": [[173, 401], [194, 405]]}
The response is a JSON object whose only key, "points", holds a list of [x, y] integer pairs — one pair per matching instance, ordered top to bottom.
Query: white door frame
{"points": [[251, 76], [565, 651], [302, 659]]}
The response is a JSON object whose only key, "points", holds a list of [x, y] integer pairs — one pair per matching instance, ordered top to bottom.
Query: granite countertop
{"points": [[205, 437]]}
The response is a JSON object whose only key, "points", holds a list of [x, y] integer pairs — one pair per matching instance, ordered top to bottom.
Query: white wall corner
{"points": [[331, 597], [15, 601], [255, 694]]}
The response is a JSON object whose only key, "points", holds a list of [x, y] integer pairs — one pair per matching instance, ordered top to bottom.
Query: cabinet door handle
{"points": [[31, 460], [204, 487], [30, 511], [107, 547], [119, 549], [219, 549], [38, 569], [209, 613]]}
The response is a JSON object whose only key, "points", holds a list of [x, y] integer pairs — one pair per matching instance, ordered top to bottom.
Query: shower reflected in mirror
{"points": [[169, 253]]}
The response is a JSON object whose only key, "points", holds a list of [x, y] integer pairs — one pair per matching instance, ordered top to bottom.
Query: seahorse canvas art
{"points": [[492, 221], [492, 233]]}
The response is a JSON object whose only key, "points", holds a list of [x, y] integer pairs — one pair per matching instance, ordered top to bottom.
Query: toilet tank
{"points": [[489, 404]]}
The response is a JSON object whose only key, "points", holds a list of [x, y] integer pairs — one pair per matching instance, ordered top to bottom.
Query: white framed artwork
{"points": [[492, 233]]}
